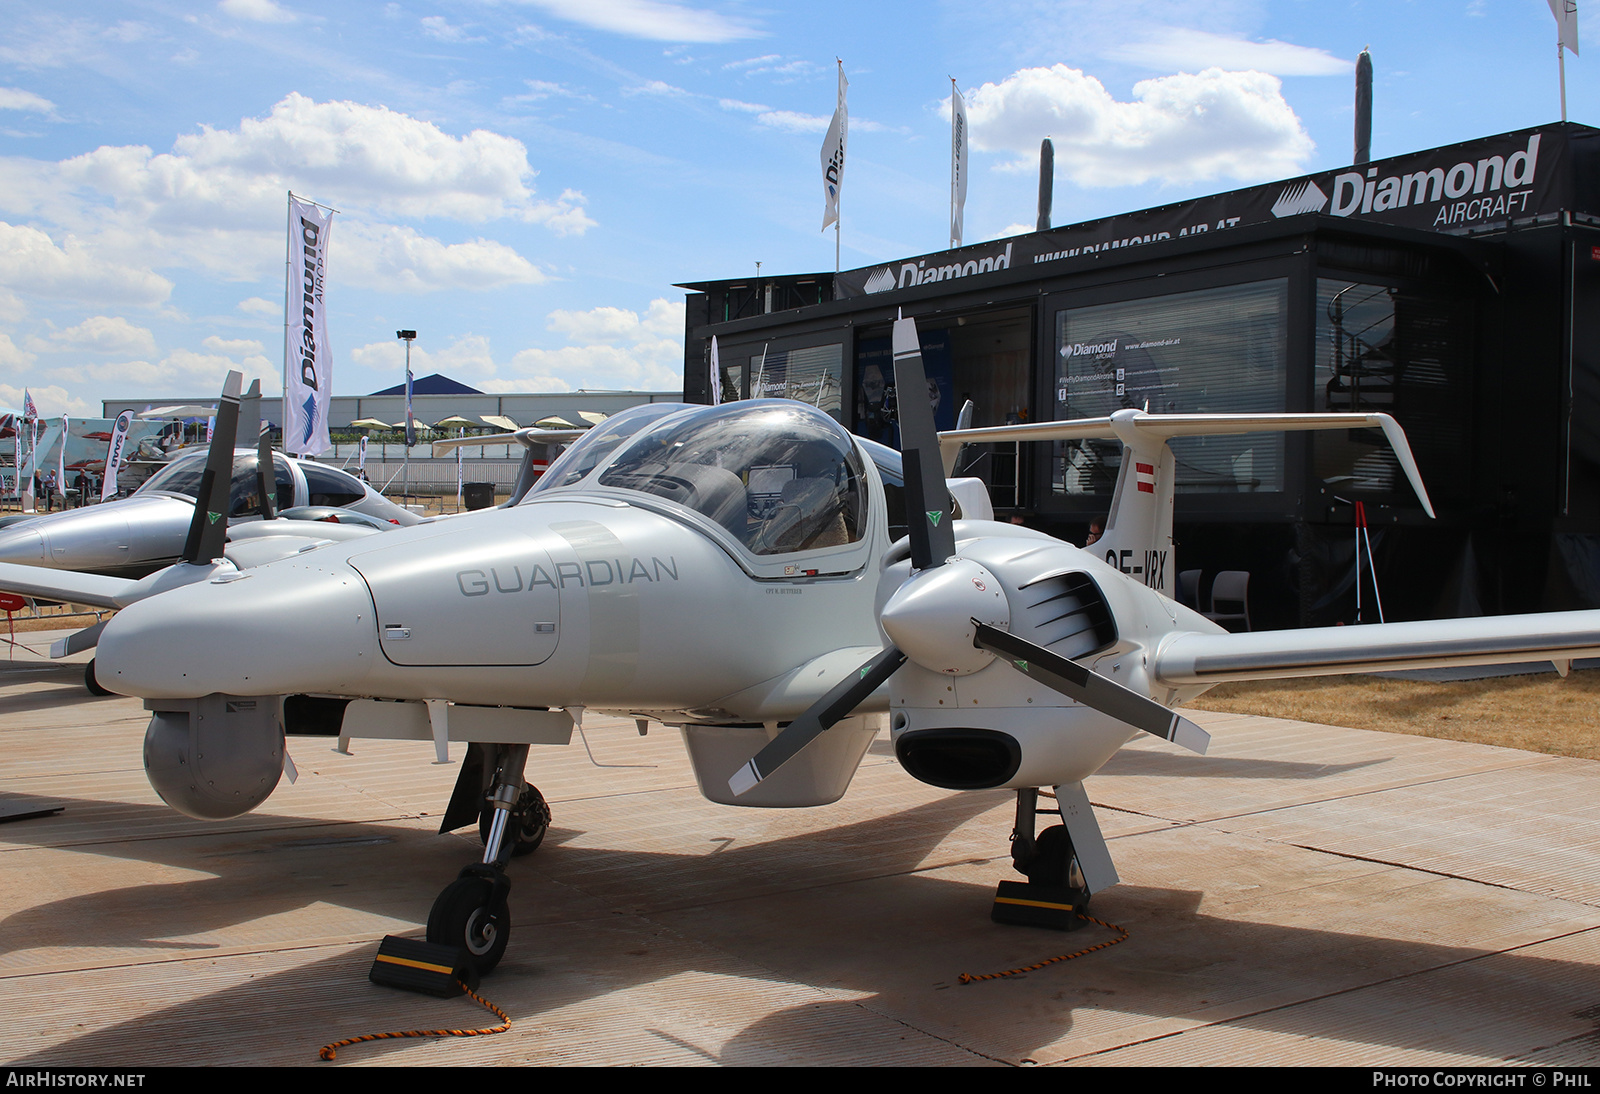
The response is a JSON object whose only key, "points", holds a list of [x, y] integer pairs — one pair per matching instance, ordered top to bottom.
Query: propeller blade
{"points": [[250, 426], [927, 497], [208, 531], [1091, 689], [840, 700]]}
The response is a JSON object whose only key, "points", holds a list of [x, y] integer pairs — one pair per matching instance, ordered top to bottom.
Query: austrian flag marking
{"points": [[1145, 475]]}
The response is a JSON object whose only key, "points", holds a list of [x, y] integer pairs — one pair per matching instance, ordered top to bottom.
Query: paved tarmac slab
{"points": [[1302, 895]]}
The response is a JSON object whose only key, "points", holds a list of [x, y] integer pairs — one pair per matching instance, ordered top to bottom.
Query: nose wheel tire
{"points": [[90, 682], [526, 827], [471, 913]]}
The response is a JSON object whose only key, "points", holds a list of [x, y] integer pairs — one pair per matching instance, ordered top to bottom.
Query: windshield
{"points": [[590, 450], [780, 476]]}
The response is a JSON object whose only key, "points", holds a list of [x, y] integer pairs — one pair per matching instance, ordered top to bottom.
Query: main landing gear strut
{"points": [[512, 819], [1055, 894]]}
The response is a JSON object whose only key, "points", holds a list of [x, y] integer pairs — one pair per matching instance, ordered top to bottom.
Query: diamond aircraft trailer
{"points": [[737, 571]]}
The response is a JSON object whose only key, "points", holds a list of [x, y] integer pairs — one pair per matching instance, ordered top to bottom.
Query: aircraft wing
{"points": [[525, 437], [65, 585], [1557, 637]]}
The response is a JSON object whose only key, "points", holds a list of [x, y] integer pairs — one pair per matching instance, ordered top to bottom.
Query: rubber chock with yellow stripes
{"points": [[1025, 904], [428, 967]]}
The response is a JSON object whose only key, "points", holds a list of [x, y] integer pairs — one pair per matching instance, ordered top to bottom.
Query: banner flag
{"points": [[1566, 13], [833, 149], [958, 163], [307, 362], [716, 374], [29, 411], [411, 420], [119, 437], [33, 450], [361, 453], [61, 460], [460, 486]]}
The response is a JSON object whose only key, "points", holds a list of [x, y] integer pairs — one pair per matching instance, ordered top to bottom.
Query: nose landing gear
{"points": [[471, 913]]}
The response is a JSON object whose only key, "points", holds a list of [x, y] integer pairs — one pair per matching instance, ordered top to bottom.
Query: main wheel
{"points": [[90, 682], [526, 827], [1052, 857], [465, 915]]}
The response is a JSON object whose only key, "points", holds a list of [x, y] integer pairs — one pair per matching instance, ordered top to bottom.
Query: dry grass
{"points": [[51, 617], [1540, 713]]}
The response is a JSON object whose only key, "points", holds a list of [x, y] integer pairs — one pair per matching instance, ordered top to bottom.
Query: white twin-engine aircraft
{"points": [[734, 571]]}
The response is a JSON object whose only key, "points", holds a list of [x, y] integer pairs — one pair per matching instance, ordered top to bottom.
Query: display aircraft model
{"points": [[142, 533], [210, 547], [736, 571]]}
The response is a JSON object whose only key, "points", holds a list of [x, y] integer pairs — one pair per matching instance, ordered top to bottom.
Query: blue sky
{"points": [[522, 181]]}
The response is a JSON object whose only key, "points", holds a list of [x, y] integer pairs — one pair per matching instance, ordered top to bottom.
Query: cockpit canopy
{"points": [[183, 474], [780, 476], [325, 485]]}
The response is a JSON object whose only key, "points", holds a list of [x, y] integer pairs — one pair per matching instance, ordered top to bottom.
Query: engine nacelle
{"points": [[1045, 744], [214, 757]]}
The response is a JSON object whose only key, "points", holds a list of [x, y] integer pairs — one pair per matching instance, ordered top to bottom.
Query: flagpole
{"points": [[1561, 60]]}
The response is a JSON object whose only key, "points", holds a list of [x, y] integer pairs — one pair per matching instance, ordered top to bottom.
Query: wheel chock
{"points": [[1025, 904], [428, 967]]}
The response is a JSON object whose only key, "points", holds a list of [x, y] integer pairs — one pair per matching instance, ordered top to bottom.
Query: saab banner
{"points": [[1478, 186], [307, 363], [119, 438]]}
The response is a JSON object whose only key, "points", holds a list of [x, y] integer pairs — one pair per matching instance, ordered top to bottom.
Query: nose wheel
{"points": [[471, 914]]}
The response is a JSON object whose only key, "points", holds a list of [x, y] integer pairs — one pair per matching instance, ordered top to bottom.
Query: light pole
{"points": [[408, 336]]}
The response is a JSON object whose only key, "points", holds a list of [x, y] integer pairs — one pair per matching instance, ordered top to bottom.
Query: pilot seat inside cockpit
{"points": [[780, 477]]}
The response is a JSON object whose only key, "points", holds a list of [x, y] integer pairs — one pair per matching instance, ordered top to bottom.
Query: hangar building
{"points": [[1457, 288]]}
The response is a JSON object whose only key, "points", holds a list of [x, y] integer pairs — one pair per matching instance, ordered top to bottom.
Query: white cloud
{"points": [[257, 11], [659, 20], [437, 26], [1192, 50], [774, 65], [657, 87], [539, 90], [14, 98], [742, 107], [795, 122], [1179, 129], [355, 156], [215, 203], [399, 259], [32, 263], [258, 305], [100, 334], [234, 347], [610, 349], [615, 349], [12, 357], [468, 359], [185, 372], [51, 400]]}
